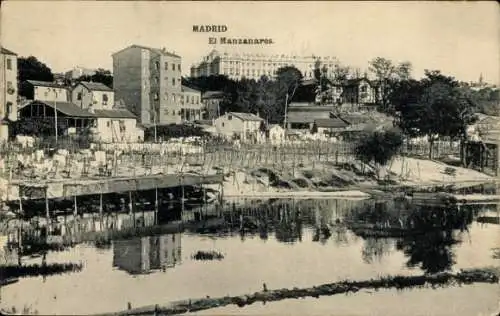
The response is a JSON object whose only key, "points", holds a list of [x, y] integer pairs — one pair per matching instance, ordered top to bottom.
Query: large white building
{"points": [[254, 66], [148, 82], [8, 91]]}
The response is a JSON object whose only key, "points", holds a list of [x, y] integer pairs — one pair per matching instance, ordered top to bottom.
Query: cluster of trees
{"points": [[30, 68], [101, 75], [264, 96], [435, 107]]}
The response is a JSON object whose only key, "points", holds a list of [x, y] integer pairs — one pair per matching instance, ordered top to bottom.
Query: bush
{"points": [[378, 148]]}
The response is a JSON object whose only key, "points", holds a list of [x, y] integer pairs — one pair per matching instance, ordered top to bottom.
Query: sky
{"points": [[459, 38]]}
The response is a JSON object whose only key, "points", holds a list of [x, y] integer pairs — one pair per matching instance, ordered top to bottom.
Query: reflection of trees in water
{"points": [[429, 232], [375, 249], [432, 251]]}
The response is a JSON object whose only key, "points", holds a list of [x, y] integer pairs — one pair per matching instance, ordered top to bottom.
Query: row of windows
{"points": [[274, 64], [166, 66], [157, 80], [79, 97], [174, 97]]}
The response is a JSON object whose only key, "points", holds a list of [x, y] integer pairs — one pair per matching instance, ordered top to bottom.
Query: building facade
{"points": [[254, 66], [78, 71], [148, 81], [8, 91], [44, 91], [360, 91], [93, 95], [211, 104], [191, 105], [116, 126], [242, 126]]}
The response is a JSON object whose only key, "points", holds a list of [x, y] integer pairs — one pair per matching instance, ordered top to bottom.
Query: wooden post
{"points": [[182, 196], [156, 206], [75, 207], [47, 210], [100, 210]]}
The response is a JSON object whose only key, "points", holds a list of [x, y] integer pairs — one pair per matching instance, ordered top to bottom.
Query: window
{"points": [[9, 64], [157, 65], [166, 66], [173, 67], [179, 67], [173, 81], [363, 88], [79, 96], [104, 99], [192, 99], [8, 109], [229, 117], [108, 123], [121, 123], [222, 124]]}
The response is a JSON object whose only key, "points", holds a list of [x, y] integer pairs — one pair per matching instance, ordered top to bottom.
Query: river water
{"points": [[281, 243]]}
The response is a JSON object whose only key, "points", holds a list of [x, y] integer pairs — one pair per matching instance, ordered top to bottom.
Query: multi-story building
{"points": [[254, 66], [78, 71], [148, 82], [8, 91], [44, 91], [93, 95], [191, 104]]}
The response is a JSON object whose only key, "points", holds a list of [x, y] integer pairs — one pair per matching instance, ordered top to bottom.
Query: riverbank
{"points": [[486, 275]]}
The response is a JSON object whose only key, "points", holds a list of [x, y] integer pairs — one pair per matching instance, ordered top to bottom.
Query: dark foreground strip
{"points": [[398, 282]]}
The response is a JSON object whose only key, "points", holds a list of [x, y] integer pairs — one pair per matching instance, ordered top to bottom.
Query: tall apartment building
{"points": [[253, 66], [148, 82], [8, 91]]}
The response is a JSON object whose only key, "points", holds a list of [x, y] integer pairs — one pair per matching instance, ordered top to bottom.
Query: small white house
{"points": [[44, 91], [93, 95], [117, 125], [242, 126]]}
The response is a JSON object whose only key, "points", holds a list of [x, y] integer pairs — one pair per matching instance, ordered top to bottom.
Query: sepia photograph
{"points": [[296, 158]]}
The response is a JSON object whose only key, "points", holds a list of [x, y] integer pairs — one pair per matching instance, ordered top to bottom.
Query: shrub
{"points": [[378, 148]]}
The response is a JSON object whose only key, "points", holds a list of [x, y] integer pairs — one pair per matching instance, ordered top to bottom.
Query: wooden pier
{"points": [[27, 190]]}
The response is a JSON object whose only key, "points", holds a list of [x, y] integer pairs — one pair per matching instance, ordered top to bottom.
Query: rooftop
{"points": [[156, 50], [7, 52], [48, 84], [95, 86], [187, 89], [213, 94], [66, 108], [114, 113], [246, 116], [331, 123]]}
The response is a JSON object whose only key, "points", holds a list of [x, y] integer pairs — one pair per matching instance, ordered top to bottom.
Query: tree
{"points": [[30, 68], [403, 70], [340, 73], [387, 74], [103, 76], [287, 80], [434, 107], [378, 148]]}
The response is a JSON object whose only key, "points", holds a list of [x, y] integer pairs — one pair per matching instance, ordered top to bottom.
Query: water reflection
{"points": [[145, 242], [146, 254]]}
